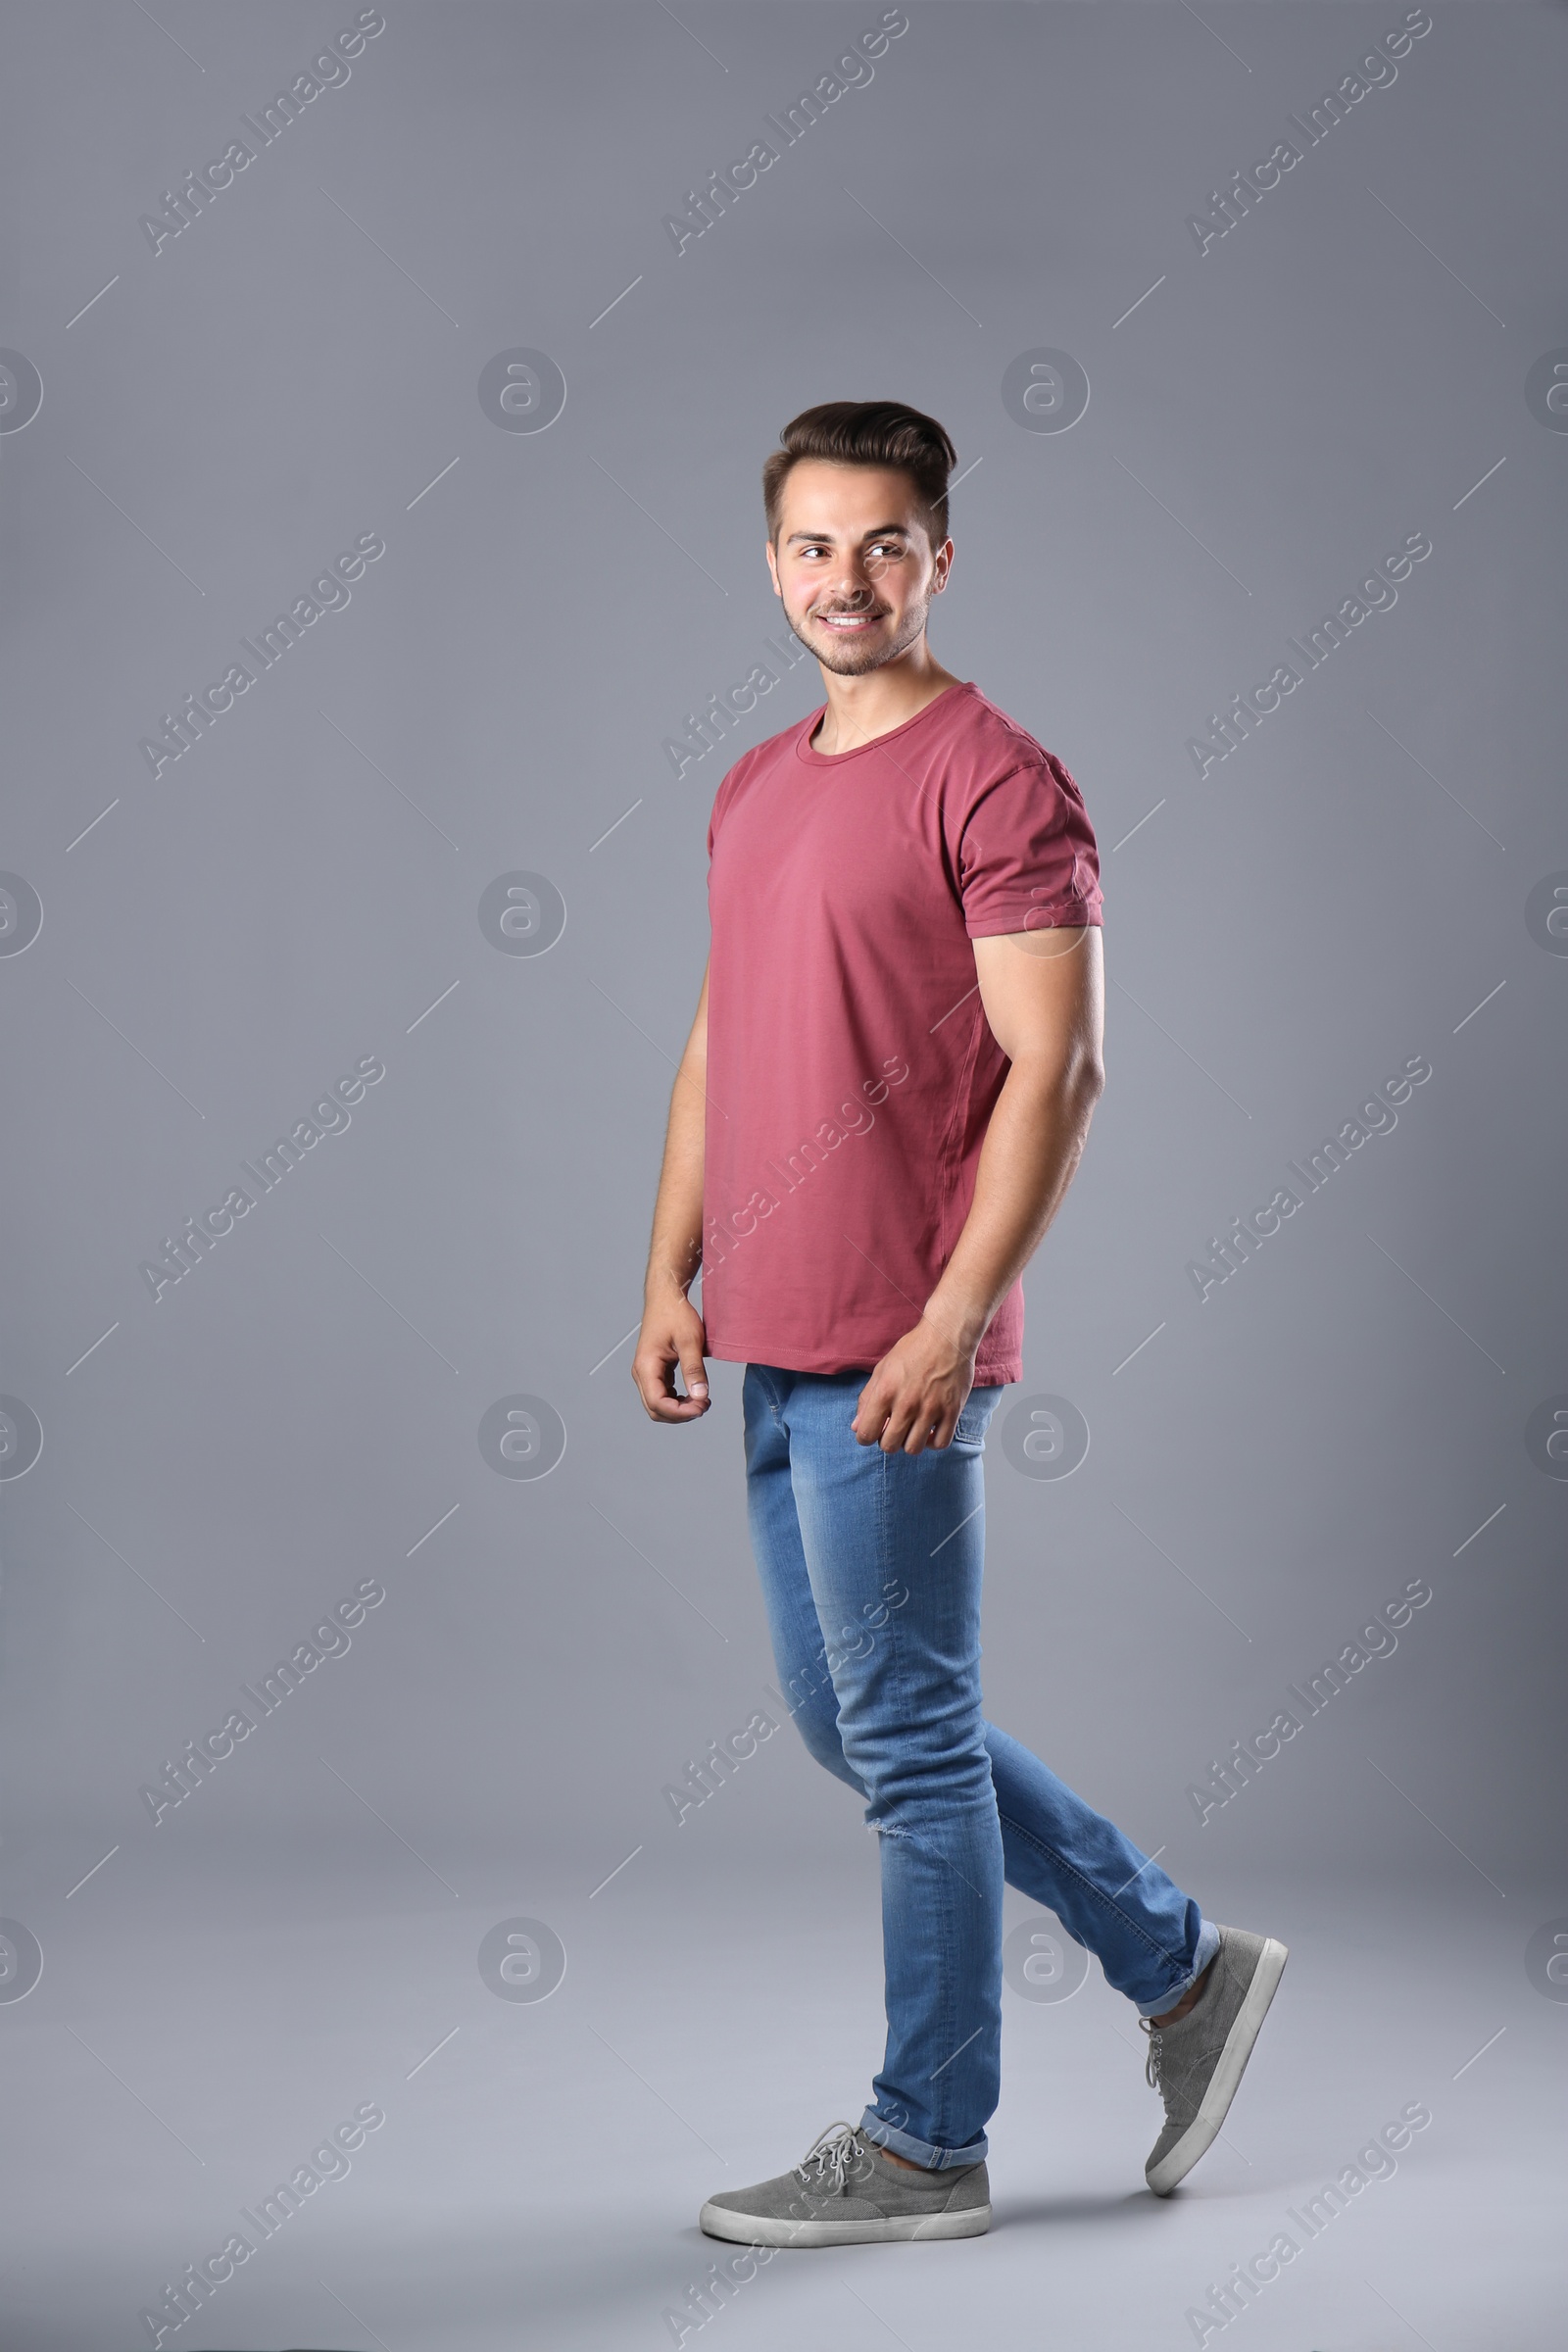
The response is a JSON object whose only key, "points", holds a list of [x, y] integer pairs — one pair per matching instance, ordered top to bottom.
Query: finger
{"points": [[653, 1370], [694, 1371], [876, 1401], [672, 1405], [677, 1408], [884, 1420], [925, 1429], [896, 1434]]}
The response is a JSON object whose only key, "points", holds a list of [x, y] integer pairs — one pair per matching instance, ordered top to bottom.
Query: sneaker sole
{"points": [[1203, 2131], [759, 2230]]}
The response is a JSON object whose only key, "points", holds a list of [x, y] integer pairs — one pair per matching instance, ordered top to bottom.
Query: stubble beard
{"points": [[850, 659]]}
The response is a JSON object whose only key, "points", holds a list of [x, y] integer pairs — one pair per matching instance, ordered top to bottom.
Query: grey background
{"points": [[302, 888]]}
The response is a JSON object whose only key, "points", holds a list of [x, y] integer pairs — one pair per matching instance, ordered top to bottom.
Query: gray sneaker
{"points": [[1196, 2063], [844, 2194]]}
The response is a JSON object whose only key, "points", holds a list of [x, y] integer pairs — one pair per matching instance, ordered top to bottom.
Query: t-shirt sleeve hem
{"points": [[1068, 915]]}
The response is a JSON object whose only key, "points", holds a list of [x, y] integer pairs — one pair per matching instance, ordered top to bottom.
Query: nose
{"points": [[850, 592]]}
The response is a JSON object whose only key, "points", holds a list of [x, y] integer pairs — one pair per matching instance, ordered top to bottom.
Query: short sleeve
{"points": [[727, 784], [1026, 854]]}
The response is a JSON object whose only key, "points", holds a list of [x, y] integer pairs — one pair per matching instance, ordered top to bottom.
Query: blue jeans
{"points": [[870, 1565]]}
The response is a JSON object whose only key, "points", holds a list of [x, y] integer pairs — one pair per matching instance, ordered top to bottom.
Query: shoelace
{"points": [[1152, 2064], [831, 2154]]}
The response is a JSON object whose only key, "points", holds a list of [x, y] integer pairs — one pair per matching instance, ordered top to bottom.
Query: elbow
{"points": [[1086, 1082], [1068, 1083]]}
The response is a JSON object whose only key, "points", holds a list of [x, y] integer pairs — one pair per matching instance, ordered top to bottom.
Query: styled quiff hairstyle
{"points": [[866, 432]]}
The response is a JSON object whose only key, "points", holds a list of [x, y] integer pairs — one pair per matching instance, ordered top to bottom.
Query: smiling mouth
{"points": [[847, 623]]}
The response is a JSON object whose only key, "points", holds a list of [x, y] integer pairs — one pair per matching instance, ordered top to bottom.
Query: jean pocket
{"points": [[971, 1425]]}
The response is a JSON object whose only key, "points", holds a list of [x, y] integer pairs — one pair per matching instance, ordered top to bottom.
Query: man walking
{"points": [[884, 1094]]}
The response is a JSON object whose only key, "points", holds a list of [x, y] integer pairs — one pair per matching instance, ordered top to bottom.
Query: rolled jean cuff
{"points": [[1207, 1945], [920, 2151]]}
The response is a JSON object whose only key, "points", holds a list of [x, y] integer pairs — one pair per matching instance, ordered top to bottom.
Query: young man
{"points": [[886, 1090]]}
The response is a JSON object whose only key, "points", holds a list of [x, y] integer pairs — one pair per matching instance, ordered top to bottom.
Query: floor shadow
{"points": [[1027, 2212]]}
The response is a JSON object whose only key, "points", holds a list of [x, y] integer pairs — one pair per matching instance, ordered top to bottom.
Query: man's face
{"points": [[853, 563]]}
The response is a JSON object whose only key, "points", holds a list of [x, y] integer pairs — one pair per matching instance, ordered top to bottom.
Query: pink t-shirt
{"points": [[851, 1068]]}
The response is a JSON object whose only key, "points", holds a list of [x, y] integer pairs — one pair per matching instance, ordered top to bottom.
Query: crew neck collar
{"points": [[815, 758]]}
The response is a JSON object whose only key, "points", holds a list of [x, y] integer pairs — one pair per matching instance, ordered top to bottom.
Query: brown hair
{"points": [[867, 432]]}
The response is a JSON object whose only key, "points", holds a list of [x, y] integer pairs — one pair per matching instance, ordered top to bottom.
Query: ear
{"points": [[772, 567]]}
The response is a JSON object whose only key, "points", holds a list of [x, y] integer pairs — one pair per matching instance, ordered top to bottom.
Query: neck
{"points": [[859, 709]]}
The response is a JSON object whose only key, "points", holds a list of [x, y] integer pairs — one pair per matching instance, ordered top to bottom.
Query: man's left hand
{"points": [[917, 1393]]}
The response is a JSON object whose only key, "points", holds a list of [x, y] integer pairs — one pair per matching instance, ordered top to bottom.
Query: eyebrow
{"points": [[885, 531]]}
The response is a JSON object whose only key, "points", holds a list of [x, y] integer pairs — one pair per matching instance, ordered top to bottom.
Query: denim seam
{"points": [[895, 1672], [947, 1954], [941, 2088]]}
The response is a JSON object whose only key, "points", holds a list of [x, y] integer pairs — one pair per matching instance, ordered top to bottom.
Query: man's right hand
{"points": [[671, 1334]]}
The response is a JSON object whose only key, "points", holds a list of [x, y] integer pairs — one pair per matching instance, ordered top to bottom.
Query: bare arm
{"points": [[1044, 997], [671, 1329]]}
